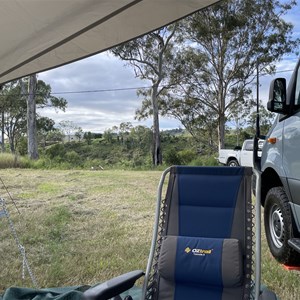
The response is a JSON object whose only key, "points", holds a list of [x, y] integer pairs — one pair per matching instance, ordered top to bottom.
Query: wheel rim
{"points": [[232, 164], [276, 225]]}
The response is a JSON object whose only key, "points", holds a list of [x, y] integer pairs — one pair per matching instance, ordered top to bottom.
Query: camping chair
{"points": [[202, 242]]}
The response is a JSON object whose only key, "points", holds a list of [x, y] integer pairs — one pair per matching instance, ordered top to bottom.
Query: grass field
{"points": [[82, 227]]}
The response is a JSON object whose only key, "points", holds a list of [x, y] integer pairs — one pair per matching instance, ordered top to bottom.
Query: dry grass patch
{"points": [[77, 226], [82, 227]]}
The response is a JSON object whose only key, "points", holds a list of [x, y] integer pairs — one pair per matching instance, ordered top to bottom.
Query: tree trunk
{"points": [[221, 118], [31, 120], [2, 127], [221, 131], [2, 133], [11, 144], [156, 147]]}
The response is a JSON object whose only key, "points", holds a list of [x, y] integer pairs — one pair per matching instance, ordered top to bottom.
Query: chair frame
{"points": [[158, 228]]}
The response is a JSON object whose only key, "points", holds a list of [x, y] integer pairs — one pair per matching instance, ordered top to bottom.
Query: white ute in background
{"points": [[240, 156]]}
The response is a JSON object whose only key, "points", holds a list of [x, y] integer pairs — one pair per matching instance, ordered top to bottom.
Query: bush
{"points": [[22, 146], [57, 150], [186, 156], [171, 157], [73, 158], [205, 160]]}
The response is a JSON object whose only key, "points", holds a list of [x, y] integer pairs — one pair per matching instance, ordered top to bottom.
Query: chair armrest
{"points": [[113, 287], [267, 295]]}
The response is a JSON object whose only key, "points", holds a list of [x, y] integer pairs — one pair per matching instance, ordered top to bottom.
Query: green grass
{"points": [[83, 227]]}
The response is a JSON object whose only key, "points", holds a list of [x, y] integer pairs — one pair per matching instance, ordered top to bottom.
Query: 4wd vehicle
{"points": [[239, 156], [280, 166]]}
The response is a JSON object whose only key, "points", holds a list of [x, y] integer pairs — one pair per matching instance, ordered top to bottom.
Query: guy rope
{"points": [[5, 214]]}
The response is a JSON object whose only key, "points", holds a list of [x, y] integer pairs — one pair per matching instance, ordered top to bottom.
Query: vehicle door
{"points": [[247, 154]]}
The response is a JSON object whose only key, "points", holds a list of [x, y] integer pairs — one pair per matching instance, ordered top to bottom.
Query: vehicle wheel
{"points": [[232, 163], [278, 226]]}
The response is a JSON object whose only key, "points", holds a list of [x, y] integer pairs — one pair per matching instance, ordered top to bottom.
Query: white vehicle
{"points": [[239, 156], [280, 171]]}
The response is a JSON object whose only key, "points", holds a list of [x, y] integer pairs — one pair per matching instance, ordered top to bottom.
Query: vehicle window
{"points": [[297, 92], [249, 146]]}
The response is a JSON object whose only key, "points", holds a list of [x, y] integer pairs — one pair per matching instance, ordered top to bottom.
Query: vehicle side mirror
{"points": [[277, 96]]}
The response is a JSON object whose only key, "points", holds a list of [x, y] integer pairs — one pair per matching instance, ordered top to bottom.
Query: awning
{"points": [[37, 35]]}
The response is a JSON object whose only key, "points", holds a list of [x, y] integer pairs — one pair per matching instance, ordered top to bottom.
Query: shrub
{"points": [[22, 146], [55, 151], [186, 156], [171, 157], [73, 158], [204, 160]]}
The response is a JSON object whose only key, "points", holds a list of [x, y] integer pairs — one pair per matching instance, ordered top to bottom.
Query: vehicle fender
{"points": [[271, 156], [232, 157], [273, 161], [273, 173], [270, 179]]}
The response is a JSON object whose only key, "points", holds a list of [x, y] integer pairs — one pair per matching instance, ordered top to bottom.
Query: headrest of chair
{"points": [[203, 261]]}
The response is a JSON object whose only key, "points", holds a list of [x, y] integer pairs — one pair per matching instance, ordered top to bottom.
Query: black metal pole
{"points": [[256, 159]]}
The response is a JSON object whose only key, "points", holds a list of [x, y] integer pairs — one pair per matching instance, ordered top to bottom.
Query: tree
{"points": [[224, 44], [148, 56], [13, 102], [14, 113], [239, 116], [199, 120], [266, 120], [2, 124], [68, 128], [45, 130], [124, 130], [79, 133], [108, 135], [88, 136], [141, 136], [32, 143]]}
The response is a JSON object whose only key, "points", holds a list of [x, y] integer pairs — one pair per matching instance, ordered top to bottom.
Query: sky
{"points": [[107, 89]]}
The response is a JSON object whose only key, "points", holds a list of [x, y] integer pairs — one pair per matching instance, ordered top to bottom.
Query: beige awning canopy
{"points": [[37, 35]]}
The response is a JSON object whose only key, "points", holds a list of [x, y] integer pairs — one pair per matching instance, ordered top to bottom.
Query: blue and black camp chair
{"points": [[203, 240]]}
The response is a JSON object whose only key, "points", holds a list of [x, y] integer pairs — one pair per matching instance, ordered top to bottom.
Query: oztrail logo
{"points": [[187, 250], [198, 251]]}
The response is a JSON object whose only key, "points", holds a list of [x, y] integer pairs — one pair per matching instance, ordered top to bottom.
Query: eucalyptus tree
{"points": [[224, 47], [151, 57], [13, 102], [13, 109], [266, 119], [200, 121], [68, 128], [45, 130], [124, 130], [32, 141]]}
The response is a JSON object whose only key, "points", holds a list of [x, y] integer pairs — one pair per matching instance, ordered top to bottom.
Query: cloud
{"points": [[98, 110], [94, 111]]}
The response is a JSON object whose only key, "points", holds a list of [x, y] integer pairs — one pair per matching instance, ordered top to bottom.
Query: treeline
{"points": [[123, 146], [130, 148]]}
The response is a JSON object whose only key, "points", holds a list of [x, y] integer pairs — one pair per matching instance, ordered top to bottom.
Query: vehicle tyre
{"points": [[232, 163], [278, 226]]}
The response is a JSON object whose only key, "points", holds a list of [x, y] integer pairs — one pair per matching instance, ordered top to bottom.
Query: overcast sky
{"points": [[98, 111]]}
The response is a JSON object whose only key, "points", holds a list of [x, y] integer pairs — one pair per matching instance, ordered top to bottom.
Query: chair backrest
{"points": [[205, 245]]}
